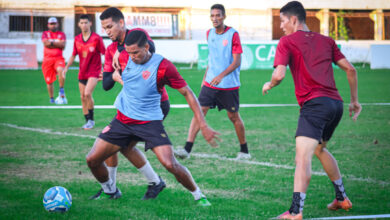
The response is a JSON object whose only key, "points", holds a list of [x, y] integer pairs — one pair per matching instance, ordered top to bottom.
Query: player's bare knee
{"points": [[92, 162], [170, 165]]}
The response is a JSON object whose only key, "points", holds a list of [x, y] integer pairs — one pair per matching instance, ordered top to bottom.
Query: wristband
{"points": [[51, 43]]}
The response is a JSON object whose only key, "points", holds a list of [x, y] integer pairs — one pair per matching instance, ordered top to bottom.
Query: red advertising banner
{"points": [[18, 56]]}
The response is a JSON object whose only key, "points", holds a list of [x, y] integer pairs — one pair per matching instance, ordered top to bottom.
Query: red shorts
{"points": [[49, 68]]}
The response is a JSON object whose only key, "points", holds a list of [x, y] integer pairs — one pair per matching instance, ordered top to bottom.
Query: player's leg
{"points": [[59, 67], [49, 76], [91, 84], [82, 85], [206, 101], [239, 127], [184, 153], [165, 155], [138, 159], [95, 160], [329, 163], [112, 166], [331, 168]]}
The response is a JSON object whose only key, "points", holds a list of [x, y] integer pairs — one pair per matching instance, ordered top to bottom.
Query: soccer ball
{"points": [[57, 199]]}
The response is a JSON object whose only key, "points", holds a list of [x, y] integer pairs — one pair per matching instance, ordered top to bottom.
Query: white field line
{"points": [[172, 106], [200, 155], [354, 217]]}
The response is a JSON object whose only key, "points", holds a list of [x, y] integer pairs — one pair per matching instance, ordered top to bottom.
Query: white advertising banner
{"points": [[156, 24]]}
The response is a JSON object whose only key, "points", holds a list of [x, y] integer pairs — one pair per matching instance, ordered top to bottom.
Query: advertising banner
{"points": [[156, 24], [18, 56]]}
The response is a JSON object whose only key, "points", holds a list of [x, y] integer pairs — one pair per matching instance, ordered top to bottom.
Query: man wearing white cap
{"points": [[53, 61]]}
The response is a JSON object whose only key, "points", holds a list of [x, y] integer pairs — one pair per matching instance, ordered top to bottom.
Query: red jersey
{"points": [[52, 37], [112, 48], [89, 54], [310, 56], [167, 74]]}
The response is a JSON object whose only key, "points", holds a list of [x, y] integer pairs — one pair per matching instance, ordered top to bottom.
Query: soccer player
{"points": [[112, 21], [89, 46], [309, 56], [53, 62], [221, 81], [140, 116]]}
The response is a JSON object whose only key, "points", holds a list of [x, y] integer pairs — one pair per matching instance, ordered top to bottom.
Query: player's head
{"points": [[217, 15], [291, 15], [85, 23], [113, 23], [52, 24], [136, 45]]}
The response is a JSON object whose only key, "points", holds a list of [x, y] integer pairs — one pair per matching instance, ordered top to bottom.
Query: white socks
{"points": [[149, 173], [112, 174], [108, 187], [197, 194]]}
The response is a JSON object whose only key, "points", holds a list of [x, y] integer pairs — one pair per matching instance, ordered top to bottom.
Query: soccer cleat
{"points": [[61, 100], [52, 101], [89, 125], [182, 153], [243, 156], [154, 189], [100, 194], [97, 195], [203, 202], [336, 205], [288, 215]]}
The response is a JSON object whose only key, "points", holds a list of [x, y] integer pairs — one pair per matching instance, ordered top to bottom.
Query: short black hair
{"points": [[220, 7], [294, 8], [113, 13], [85, 16], [136, 37]]}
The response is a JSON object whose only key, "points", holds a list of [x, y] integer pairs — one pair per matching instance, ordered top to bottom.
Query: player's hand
{"points": [[115, 60], [63, 73], [117, 77], [100, 78], [217, 80], [266, 87], [354, 110], [210, 135]]}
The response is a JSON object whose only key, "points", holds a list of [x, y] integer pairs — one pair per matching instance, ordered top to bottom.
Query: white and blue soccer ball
{"points": [[57, 199]]}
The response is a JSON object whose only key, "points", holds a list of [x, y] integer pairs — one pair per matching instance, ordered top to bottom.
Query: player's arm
{"points": [[54, 44], [70, 62], [234, 65], [277, 77], [108, 82], [354, 107], [208, 133]]}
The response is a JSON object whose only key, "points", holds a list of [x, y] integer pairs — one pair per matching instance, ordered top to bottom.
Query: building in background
{"points": [[255, 20]]}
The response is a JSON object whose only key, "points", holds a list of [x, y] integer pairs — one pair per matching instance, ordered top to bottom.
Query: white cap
{"points": [[52, 20]]}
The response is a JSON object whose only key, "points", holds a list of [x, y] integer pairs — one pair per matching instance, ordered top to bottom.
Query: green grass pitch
{"points": [[31, 161]]}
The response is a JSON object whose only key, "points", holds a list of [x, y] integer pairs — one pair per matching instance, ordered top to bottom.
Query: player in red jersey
{"points": [[112, 21], [88, 46], [309, 56], [53, 61]]}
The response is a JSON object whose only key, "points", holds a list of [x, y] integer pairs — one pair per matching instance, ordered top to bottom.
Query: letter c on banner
{"points": [[257, 53]]}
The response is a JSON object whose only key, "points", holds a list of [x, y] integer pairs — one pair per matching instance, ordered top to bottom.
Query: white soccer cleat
{"points": [[60, 101], [88, 125], [181, 153], [243, 156]]}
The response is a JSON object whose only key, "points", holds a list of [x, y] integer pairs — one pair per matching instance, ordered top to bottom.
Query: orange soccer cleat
{"points": [[336, 205], [287, 215]]}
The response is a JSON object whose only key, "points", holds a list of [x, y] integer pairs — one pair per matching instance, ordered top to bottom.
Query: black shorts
{"points": [[83, 81], [224, 99], [165, 107], [319, 118], [152, 133]]}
